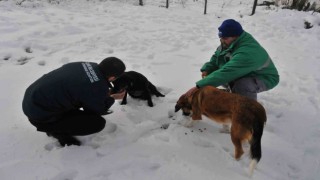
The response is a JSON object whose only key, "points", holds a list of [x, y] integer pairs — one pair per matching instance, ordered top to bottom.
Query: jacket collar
{"points": [[236, 42], [233, 44]]}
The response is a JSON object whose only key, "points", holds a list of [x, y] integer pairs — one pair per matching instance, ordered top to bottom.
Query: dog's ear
{"points": [[180, 103], [177, 108]]}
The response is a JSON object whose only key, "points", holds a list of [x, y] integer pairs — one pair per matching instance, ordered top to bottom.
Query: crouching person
{"points": [[71, 100]]}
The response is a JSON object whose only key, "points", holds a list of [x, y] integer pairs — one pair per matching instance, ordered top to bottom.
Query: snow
{"points": [[168, 46]]}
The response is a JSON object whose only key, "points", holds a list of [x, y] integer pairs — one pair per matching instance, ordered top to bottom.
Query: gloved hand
{"points": [[204, 74], [118, 95], [109, 101], [106, 112]]}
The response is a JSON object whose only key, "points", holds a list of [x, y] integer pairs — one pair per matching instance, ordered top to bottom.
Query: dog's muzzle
{"points": [[177, 108], [186, 113]]}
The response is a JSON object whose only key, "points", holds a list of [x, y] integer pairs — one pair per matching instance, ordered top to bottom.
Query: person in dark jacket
{"points": [[240, 63], [71, 100]]}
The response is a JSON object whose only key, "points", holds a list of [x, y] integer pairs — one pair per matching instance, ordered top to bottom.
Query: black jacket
{"points": [[72, 86]]}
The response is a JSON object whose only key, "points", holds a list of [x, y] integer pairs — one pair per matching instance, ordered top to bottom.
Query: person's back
{"points": [[66, 88], [70, 100]]}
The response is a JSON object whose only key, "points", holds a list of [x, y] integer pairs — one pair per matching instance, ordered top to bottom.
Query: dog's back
{"points": [[137, 80], [140, 83], [137, 86], [229, 104]]}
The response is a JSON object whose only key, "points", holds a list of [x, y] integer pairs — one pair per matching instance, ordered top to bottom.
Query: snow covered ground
{"points": [[168, 46]]}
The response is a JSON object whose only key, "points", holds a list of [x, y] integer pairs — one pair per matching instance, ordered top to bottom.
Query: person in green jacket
{"points": [[240, 63]]}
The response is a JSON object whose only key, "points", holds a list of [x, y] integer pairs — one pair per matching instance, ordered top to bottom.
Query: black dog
{"points": [[136, 85]]}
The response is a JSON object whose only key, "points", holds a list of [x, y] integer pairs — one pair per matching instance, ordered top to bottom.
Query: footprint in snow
{"points": [[28, 50], [109, 51], [151, 56], [7, 57], [23, 60], [65, 60], [42, 63], [136, 66], [110, 128], [163, 138], [205, 144], [52, 145], [226, 149], [294, 171], [66, 175]]}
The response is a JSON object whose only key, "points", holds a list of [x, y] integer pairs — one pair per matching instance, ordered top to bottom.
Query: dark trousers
{"points": [[248, 86], [74, 123]]}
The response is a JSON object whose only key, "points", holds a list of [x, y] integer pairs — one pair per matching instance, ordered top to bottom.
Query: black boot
{"points": [[107, 112], [65, 139]]}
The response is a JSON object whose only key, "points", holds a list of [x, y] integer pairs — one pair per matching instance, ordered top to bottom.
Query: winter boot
{"points": [[65, 139]]}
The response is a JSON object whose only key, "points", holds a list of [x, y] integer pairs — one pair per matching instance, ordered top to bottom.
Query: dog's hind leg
{"points": [[236, 140]]}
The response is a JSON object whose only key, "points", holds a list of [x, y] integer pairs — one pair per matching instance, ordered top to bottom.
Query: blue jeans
{"points": [[248, 86]]}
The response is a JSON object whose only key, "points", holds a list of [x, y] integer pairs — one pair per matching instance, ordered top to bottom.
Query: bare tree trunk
{"points": [[141, 2], [167, 5], [205, 6], [254, 7]]}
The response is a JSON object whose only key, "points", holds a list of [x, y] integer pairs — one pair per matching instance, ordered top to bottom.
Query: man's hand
{"points": [[204, 74], [191, 91], [118, 95]]}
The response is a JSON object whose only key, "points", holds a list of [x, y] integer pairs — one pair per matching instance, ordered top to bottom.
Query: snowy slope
{"points": [[168, 46]]}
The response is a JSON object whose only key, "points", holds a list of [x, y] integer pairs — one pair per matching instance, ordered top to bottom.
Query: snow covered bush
{"points": [[300, 5]]}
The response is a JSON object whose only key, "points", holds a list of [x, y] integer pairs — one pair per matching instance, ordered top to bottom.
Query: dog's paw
{"points": [[160, 95], [123, 103], [150, 104]]}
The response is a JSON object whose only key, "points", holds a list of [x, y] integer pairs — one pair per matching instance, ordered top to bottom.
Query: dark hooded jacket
{"points": [[72, 86]]}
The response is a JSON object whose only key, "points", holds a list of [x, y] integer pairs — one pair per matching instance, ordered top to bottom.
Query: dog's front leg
{"points": [[147, 94], [124, 100], [150, 103]]}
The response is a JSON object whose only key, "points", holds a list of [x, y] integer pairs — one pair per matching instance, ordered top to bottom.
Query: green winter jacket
{"points": [[244, 58]]}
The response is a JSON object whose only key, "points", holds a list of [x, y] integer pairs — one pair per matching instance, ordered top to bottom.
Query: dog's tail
{"points": [[154, 90], [255, 143]]}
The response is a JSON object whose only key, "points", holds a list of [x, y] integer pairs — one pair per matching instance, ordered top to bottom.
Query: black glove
{"points": [[109, 101], [106, 112]]}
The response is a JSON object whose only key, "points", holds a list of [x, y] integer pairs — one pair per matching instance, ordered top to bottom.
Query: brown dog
{"points": [[247, 117]]}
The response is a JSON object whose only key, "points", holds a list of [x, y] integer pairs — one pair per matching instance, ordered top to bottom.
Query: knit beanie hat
{"points": [[230, 28], [112, 66]]}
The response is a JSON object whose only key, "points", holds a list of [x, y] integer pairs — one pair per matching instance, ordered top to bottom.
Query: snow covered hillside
{"points": [[168, 46]]}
